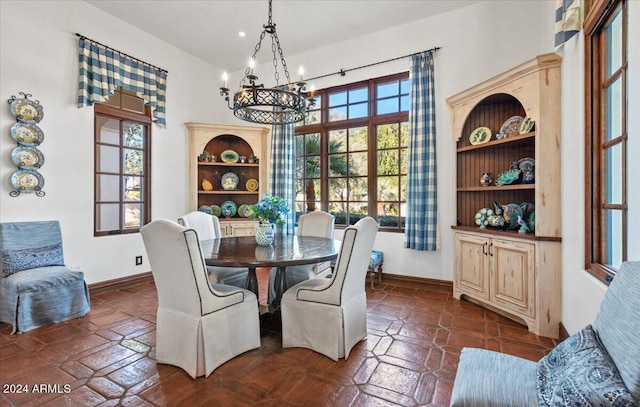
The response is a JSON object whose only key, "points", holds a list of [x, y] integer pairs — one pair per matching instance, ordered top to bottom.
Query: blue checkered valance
{"points": [[568, 20], [103, 69]]}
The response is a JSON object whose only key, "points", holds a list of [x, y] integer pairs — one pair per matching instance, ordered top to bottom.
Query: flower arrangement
{"points": [[271, 209]]}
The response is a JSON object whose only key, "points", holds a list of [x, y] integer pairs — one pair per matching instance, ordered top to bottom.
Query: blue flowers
{"points": [[271, 209]]}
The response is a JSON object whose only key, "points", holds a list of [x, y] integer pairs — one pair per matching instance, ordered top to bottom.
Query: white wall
{"points": [[477, 42], [38, 55]]}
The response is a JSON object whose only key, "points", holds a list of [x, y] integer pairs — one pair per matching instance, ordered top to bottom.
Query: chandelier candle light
{"points": [[282, 104]]}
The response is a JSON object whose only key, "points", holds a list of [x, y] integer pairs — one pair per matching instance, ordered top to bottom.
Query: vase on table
{"points": [[265, 234]]}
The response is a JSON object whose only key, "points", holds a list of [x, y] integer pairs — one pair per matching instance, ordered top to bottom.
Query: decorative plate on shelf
{"points": [[27, 111], [527, 125], [511, 127], [27, 134], [480, 135], [229, 156], [27, 157], [526, 164], [508, 177], [27, 180], [229, 181], [252, 185], [228, 208], [205, 209], [215, 210], [241, 210]]}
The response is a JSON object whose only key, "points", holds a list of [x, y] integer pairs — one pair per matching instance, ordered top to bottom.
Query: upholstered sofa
{"points": [[36, 288], [597, 366]]}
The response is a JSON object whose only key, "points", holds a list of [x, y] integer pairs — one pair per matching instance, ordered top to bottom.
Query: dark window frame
{"points": [[600, 14], [115, 108], [371, 121]]}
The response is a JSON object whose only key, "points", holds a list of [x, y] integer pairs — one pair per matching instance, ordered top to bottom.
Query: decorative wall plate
{"points": [[27, 111], [527, 125], [511, 127], [27, 134], [480, 135], [229, 156], [27, 157], [526, 164], [508, 177], [27, 180], [229, 181], [252, 185], [229, 208], [205, 209], [241, 210], [216, 211]]}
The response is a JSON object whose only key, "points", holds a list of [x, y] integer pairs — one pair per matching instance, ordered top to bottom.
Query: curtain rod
{"points": [[121, 53], [343, 72]]}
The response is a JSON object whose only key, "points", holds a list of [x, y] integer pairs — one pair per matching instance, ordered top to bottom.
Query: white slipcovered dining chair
{"points": [[314, 224], [208, 227], [329, 316], [199, 325]]}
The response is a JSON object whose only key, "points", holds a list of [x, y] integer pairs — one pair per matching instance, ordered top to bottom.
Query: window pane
{"points": [[614, 44], [404, 86], [387, 89], [358, 95], [339, 98], [404, 104], [387, 106], [358, 110], [613, 110], [339, 113], [313, 117], [109, 130], [404, 133], [133, 134], [387, 136], [358, 138], [337, 140], [312, 144], [300, 145], [108, 159], [403, 160], [133, 161], [388, 162], [358, 164], [337, 165], [299, 167], [312, 167], [613, 174], [107, 188], [388, 188], [337, 189], [358, 189], [403, 189], [132, 190], [300, 190], [337, 210], [132, 215], [107, 217], [613, 237]]}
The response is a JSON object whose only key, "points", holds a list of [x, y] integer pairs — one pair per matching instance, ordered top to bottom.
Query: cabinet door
{"points": [[243, 229], [472, 266], [513, 275]]}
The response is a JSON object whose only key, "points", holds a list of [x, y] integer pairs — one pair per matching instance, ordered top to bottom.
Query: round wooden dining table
{"points": [[286, 250]]}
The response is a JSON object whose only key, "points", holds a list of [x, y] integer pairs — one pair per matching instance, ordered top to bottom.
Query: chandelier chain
{"points": [[275, 62]]}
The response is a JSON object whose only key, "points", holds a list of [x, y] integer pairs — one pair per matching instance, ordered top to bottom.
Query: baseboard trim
{"points": [[420, 280], [121, 282], [564, 334]]}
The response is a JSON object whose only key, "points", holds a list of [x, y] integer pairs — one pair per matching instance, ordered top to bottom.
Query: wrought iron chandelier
{"points": [[282, 104]]}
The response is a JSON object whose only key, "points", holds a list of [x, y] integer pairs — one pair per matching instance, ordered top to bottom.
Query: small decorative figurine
{"points": [[523, 225]]}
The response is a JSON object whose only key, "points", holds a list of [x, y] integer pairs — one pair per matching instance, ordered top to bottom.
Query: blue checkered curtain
{"points": [[568, 20], [102, 70], [283, 170], [421, 229]]}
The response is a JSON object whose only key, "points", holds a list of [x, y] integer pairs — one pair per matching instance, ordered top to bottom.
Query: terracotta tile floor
{"points": [[410, 357]]}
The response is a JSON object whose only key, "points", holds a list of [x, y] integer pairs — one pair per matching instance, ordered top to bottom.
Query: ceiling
{"points": [[209, 29]]}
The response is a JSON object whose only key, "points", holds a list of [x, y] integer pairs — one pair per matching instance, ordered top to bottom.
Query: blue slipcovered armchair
{"points": [[37, 288], [597, 366]]}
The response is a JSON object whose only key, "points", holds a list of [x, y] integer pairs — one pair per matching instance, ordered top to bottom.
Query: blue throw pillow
{"points": [[24, 259], [580, 372]]}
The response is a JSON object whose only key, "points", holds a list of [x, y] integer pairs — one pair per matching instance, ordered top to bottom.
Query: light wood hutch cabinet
{"points": [[215, 139], [516, 274]]}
